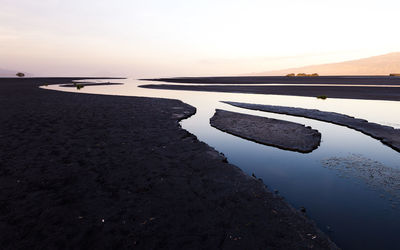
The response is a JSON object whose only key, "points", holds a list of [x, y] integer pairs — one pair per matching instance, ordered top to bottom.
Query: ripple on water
{"points": [[374, 174]]}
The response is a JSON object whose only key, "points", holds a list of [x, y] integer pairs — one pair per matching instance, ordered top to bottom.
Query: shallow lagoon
{"points": [[355, 209]]}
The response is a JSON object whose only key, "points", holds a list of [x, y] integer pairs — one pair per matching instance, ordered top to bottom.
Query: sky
{"points": [[157, 38]]}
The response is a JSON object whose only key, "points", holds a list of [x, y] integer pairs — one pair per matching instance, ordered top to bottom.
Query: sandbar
{"points": [[278, 133], [386, 134]]}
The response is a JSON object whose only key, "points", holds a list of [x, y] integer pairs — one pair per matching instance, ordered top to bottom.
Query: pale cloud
{"points": [[8, 35]]}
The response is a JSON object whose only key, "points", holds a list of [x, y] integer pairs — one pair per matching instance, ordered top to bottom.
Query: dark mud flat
{"points": [[348, 80], [89, 84], [351, 92], [273, 132], [386, 134], [82, 171]]}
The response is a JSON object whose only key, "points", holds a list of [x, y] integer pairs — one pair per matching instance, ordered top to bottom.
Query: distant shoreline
{"points": [[364, 80], [304, 86], [348, 92]]}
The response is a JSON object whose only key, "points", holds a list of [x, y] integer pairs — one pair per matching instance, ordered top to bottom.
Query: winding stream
{"points": [[350, 185]]}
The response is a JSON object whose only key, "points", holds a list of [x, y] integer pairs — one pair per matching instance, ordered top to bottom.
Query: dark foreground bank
{"points": [[81, 171]]}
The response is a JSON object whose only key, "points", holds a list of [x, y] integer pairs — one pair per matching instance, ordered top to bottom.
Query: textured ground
{"points": [[273, 132], [386, 134], [81, 171]]}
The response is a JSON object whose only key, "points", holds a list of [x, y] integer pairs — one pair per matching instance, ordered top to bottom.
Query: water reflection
{"points": [[353, 213]]}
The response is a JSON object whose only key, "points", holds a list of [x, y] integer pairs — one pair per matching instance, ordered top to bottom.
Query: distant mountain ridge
{"points": [[376, 65]]}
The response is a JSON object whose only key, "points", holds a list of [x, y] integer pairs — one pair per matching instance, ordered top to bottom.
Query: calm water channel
{"points": [[350, 185]]}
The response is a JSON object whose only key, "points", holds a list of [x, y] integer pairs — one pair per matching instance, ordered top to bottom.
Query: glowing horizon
{"points": [[177, 38]]}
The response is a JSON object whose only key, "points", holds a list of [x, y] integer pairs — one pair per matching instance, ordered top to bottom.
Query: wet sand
{"points": [[350, 92], [277, 133], [386, 134], [81, 171]]}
